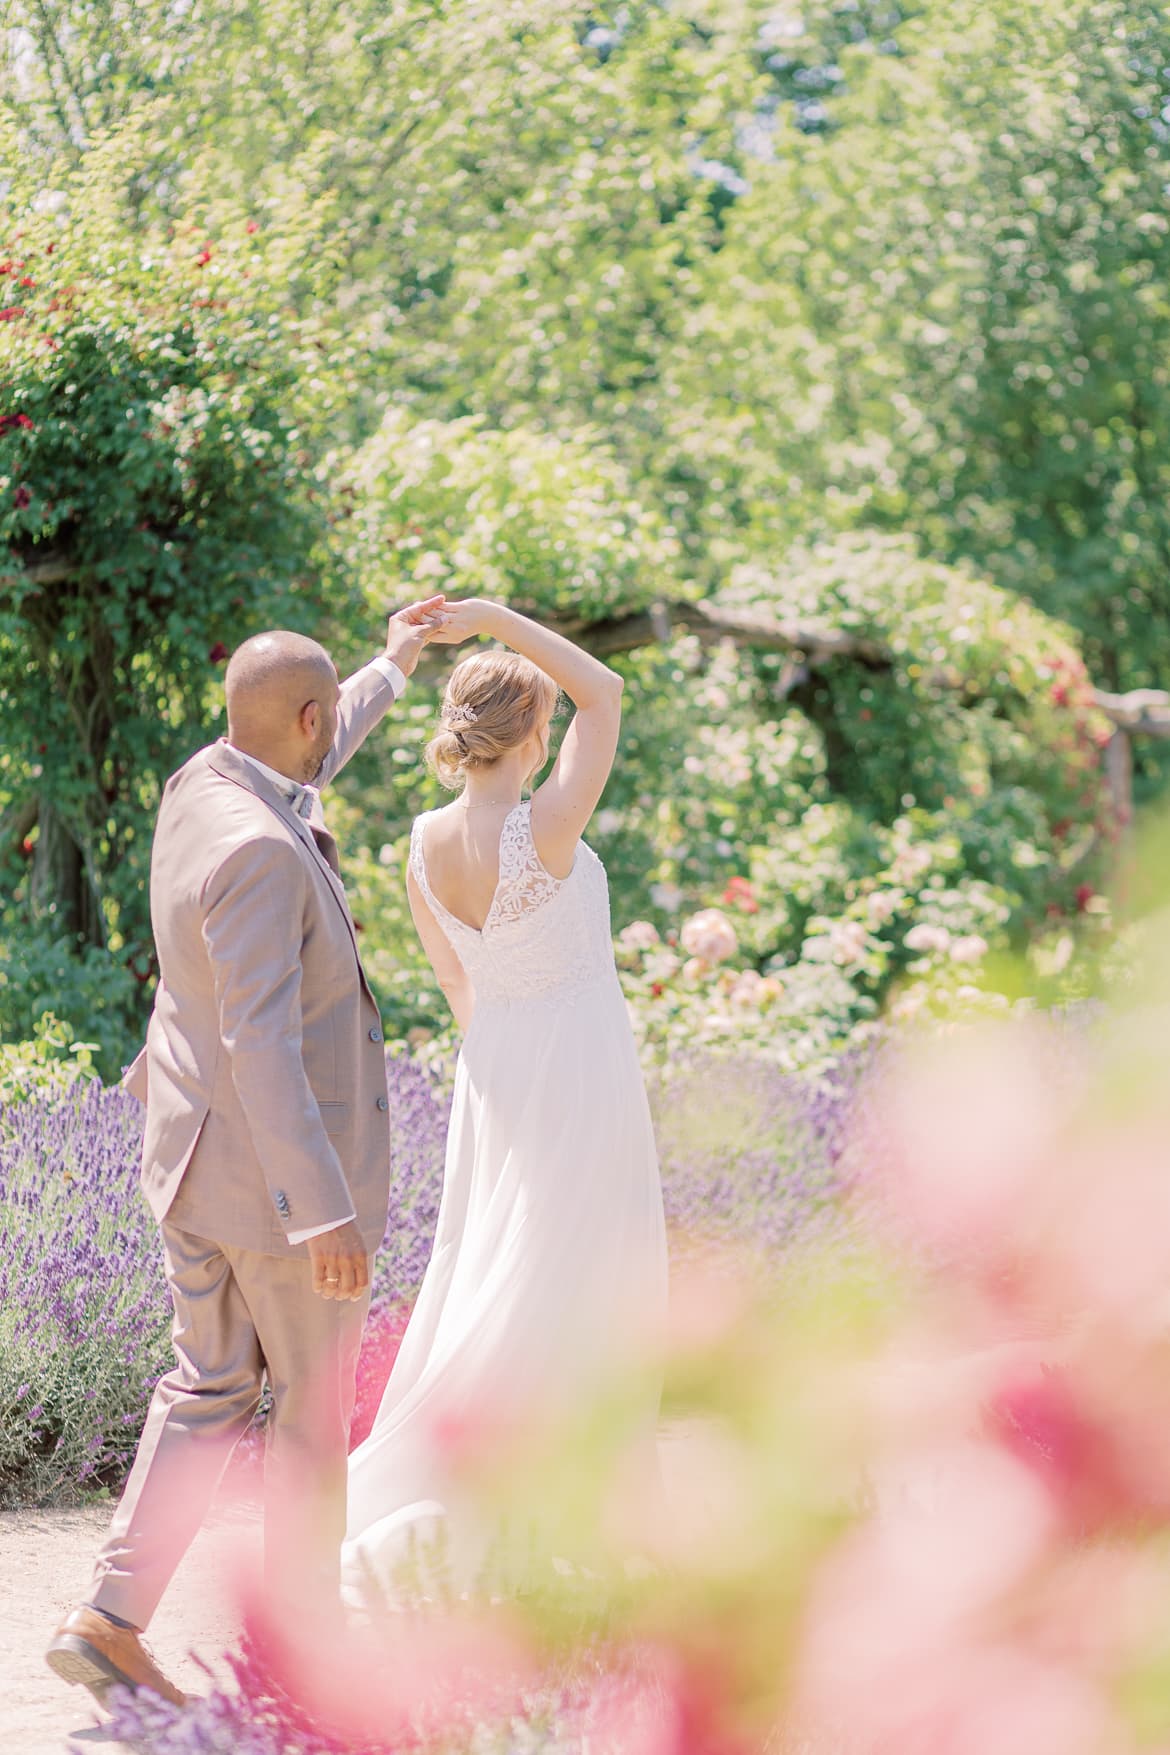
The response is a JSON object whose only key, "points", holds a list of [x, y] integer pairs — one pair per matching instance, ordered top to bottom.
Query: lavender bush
{"points": [[748, 1152], [751, 1154], [84, 1310], [84, 1313]]}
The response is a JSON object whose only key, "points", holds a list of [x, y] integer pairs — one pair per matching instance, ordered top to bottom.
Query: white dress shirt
{"points": [[283, 782]]}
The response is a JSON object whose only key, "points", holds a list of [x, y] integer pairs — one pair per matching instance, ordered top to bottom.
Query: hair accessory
{"points": [[458, 715]]}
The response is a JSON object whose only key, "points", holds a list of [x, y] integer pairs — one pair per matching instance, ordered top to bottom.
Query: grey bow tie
{"points": [[302, 801]]}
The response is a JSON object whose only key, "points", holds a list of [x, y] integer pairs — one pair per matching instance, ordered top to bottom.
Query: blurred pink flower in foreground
{"points": [[1004, 1586], [437, 1676], [672, 1708]]}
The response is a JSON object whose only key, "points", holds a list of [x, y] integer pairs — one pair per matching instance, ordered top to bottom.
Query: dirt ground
{"points": [[45, 1562]]}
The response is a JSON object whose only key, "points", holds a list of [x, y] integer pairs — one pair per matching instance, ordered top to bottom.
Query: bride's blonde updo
{"points": [[494, 700]]}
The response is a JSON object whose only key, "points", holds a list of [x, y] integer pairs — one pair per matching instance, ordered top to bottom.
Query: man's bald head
{"points": [[272, 683]]}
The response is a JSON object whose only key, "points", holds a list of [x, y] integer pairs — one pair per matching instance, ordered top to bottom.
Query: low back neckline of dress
{"points": [[550, 883]]}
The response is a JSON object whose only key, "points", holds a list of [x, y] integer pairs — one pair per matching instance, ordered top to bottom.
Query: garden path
{"points": [[45, 1562]]}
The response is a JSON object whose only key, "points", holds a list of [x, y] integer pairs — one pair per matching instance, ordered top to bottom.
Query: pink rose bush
{"points": [[708, 982]]}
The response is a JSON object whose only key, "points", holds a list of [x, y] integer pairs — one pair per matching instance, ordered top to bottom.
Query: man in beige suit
{"points": [[266, 1155]]}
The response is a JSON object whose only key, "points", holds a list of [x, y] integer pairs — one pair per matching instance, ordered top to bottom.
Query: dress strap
{"points": [[418, 864]]}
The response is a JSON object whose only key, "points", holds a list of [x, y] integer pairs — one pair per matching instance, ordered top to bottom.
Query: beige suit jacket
{"points": [[264, 1072]]}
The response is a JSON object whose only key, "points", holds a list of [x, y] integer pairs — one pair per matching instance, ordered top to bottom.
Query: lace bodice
{"points": [[543, 937]]}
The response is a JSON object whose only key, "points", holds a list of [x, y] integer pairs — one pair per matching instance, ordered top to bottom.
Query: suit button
{"points": [[375, 1035], [383, 1105]]}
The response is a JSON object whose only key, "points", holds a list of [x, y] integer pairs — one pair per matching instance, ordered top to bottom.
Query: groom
{"points": [[266, 1154]]}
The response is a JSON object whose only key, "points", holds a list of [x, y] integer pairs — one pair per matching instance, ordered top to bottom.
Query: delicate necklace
{"points": [[491, 803]]}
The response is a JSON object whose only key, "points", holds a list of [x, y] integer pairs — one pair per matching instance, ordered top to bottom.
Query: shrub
{"points": [[155, 507], [84, 1313]]}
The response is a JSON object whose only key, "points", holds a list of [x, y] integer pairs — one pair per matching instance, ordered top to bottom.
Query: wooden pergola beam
{"points": [[712, 622], [1142, 712]]}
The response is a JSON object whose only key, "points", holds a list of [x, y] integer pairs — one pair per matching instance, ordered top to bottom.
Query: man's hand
{"points": [[463, 621], [409, 630], [341, 1268]]}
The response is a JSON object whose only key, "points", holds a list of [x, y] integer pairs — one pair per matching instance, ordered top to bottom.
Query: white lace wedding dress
{"points": [[550, 1253]]}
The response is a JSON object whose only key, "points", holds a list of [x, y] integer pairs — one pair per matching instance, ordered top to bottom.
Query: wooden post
{"points": [[1119, 780]]}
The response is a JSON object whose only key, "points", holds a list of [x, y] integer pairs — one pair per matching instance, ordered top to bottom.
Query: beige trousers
{"points": [[240, 1317]]}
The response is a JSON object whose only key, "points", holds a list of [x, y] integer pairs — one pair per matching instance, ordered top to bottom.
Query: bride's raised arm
{"points": [[563, 804]]}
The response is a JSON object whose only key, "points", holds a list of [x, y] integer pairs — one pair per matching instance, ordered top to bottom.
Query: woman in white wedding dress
{"points": [[549, 1258]]}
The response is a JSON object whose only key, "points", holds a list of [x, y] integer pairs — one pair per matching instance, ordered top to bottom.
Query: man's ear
{"points": [[309, 718]]}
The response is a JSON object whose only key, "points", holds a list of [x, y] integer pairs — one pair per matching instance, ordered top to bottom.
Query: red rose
{"points": [[253, 225], [49, 248], [203, 257], [27, 280], [11, 314], [22, 497], [218, 653], [1059, 695], [26, 846], [739, 894], [1085, 894], [656, 989]]}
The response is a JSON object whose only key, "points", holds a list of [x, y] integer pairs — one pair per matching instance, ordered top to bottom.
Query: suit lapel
{"points": [[230, 765]]}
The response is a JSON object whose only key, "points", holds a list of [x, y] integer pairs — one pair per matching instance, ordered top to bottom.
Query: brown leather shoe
{"points": [[88, 1648]]}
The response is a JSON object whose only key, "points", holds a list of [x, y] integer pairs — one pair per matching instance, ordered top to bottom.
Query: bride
{"points": [[549, 1253]]}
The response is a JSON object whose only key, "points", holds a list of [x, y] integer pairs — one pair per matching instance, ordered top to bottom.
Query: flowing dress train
{"points": [[550, 1247]]}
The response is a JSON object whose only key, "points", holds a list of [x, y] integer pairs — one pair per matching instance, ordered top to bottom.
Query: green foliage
{"points": [[947, 311], [154, 508], [552, 526], [984, 716], [54, 995], [50, 1061]]}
